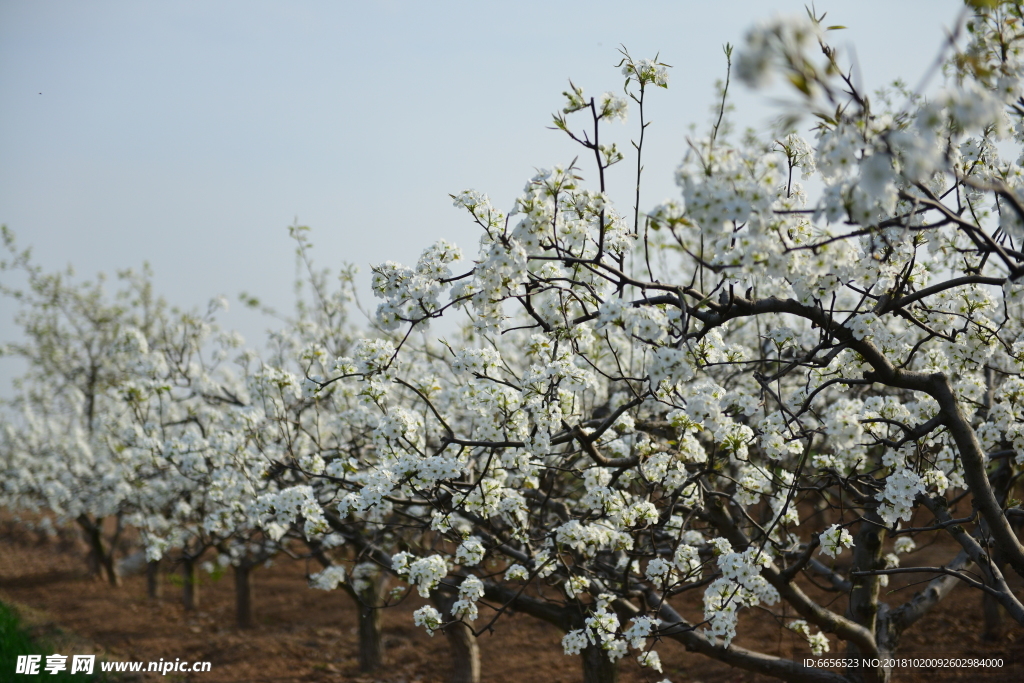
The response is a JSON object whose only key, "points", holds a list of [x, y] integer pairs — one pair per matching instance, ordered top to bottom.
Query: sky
{"points": [[191, 134]]}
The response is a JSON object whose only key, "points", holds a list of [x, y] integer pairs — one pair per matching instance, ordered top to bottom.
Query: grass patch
{"points": [[15, 640]]}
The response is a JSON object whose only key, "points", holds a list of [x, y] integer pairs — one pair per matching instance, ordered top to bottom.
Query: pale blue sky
{"points": [[191, 134]]}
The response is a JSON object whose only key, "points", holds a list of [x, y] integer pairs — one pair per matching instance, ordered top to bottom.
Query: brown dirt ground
{"points": [[308, 635]]}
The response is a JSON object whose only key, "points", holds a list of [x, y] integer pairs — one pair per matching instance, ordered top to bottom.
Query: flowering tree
{"points": [[81, 347], [728, 391], [128, 411], [156, 417], [187, 436], [307, 436]]}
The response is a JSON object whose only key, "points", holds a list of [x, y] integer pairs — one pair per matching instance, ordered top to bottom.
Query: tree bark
{"points": [[1002, 480], [101, 561], [110, 568], [190, 583], [154, 587], [243, 595], [863, 606], [371, 623], [995, 627], [371, 640], [465, 652], [597, 668]]}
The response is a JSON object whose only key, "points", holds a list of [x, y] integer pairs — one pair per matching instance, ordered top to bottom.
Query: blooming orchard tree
{"points": [[81, 348], [752, 387], [124, 415], [159, 419], [307, 436], [188, 439], [320, 445]]}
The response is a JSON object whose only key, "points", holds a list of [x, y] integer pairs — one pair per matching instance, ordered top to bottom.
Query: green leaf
{"points": [[798, 80]]}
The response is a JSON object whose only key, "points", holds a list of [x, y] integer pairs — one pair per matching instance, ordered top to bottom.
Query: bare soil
{"points": [[309, 635]]}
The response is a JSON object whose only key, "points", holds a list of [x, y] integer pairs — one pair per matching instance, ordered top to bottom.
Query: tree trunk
{"points": [[92, 560], [100, 560], [110, 568], [190, 583], [154, 587], [243, 595], [863, 606], [371, 623], [995, 627], [371, 641], [462, 644], [465, 653], [597, 668]]}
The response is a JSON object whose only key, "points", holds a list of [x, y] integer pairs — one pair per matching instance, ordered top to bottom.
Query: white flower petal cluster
{"points": [[413, 293], [901, 489], [834, 539], [470, 552], [425, 572], [328, 579], [470, 590], [429, 618], [818, 642]]}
